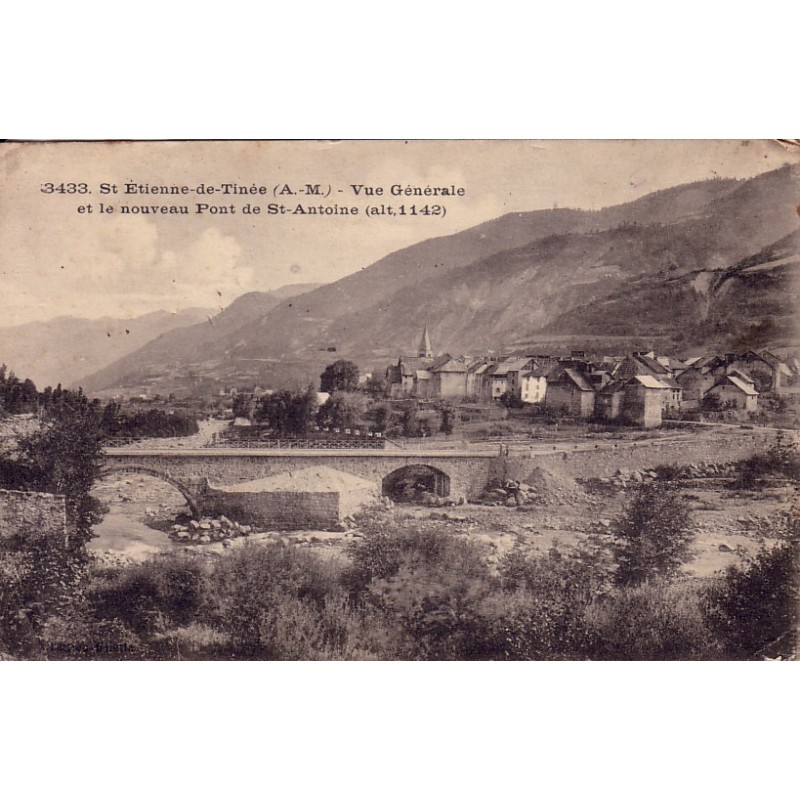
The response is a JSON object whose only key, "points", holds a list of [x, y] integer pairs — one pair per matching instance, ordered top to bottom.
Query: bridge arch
{"points": [[411, 481], [188, 495]]}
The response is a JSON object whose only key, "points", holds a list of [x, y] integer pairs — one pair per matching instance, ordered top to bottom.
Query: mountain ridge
{"points": [[496, 283]]}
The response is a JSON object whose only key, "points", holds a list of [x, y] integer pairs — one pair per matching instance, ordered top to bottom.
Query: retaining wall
{"points": [[603, 463]]}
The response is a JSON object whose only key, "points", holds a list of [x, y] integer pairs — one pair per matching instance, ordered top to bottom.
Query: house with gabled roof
{"points": [[638, 364], [514, 367], [476, 370], [766, 370], [417, 376], [497, 376], [449, 378], [697, 379], [533, 384], [569, 392], [735, 392], [646, 397], [638, 400]]}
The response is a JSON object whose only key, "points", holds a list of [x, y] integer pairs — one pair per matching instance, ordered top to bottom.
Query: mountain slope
{"points": [[505, 280], [498, 299], [747, 306], [187, 344], [66, 349]]}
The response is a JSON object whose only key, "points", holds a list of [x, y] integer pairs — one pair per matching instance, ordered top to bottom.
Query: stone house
{"points": [[646, 364], [513, 368], [767, 371], [449, 379], [696, 380], [476, 382], [533, 385], [568, 392], [734, 392], [645, 398], [608, 400], [638, 400]]}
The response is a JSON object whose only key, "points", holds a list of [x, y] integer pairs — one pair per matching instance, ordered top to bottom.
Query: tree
{"points": [[341, 376], [375, 385], [511, 400], [711, 403], [243, 405], [343, 410], [288, 412], [380, 415], [448, 416], [408, 420], [64, 457], [652, 535], [756, 606]]}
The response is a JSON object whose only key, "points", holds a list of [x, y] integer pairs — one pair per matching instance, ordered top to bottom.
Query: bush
{"points": [[782, 459], [667, 472], [652, 536], [377, 555], [38, 581], [260, 589], [167, 590], [757, 603], [653, 622]]}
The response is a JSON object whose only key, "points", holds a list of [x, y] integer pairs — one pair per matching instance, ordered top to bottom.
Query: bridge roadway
{"points": [[191, 471]]}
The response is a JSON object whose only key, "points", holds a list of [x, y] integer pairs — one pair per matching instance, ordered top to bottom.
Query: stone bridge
{"points": [[191, 471], [464, 472]]}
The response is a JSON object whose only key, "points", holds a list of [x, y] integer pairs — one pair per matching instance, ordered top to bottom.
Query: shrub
{"points": [[781, 459], [667, 472], [652, 536], [38, 581], [259, 586], [166, 590], [753, 605], [657, 621]]}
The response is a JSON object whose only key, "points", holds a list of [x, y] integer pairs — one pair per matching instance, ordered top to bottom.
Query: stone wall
{"points": [[603, 463], [287, 510], [33, 514]]}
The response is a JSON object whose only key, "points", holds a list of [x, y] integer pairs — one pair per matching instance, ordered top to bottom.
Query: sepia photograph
{"points": [[389, 400]]}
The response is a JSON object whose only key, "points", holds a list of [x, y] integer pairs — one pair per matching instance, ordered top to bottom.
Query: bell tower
{"points": [[425, 345]]}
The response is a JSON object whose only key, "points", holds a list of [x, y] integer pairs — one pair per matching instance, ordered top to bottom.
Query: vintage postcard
{"points": [[399, 400]]}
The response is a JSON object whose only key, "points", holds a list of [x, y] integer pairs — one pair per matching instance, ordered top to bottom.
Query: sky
{"points": [[57, 260]]}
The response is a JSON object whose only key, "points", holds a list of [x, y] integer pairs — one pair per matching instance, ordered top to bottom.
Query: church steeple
{"points": [[425, 345]]}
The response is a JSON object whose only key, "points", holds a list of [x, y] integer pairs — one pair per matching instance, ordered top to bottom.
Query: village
{"points": [[638, 389]]}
